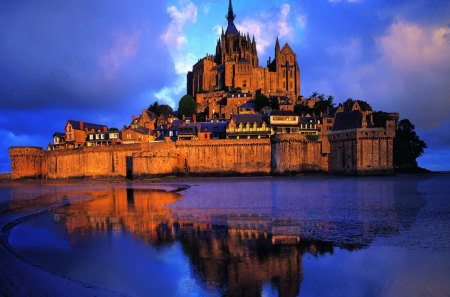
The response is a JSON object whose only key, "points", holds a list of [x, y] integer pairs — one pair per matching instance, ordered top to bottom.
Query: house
{"points": [[247, 108], [147, 119], [284, 121], [310, 125], [247, 126], [212, 130], [189, 131], [76, 132], [137, 135], [103, 138], [59, 141]]}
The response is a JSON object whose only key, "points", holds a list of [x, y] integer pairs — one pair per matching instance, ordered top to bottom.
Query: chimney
{"points": [[134, 117], [194, 118], [81, 125], [105, 128]]}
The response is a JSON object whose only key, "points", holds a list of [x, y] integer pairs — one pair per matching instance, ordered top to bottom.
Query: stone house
{"points": [[247, 126], [76, 132]]}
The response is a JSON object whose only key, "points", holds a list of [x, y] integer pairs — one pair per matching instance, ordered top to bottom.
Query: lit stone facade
{"points": [[235, 65]]}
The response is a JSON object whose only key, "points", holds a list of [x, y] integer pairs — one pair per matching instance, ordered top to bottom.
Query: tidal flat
{"points": [[265, 236]]}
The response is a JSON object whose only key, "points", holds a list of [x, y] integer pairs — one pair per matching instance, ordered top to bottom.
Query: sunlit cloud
{"points": [[177, 43]]}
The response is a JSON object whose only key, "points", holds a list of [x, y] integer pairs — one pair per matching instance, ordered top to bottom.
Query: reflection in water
{"points": [[242, 235]]}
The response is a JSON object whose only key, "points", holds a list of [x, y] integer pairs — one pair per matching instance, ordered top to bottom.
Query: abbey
{"points": [[235, 66]]}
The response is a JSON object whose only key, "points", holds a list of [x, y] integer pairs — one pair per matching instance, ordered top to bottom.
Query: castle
{"points": [[294, 135]]}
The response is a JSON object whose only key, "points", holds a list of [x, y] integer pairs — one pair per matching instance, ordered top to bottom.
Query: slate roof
{"points": [[231, 29], [248, 104], [282, 113], [247, 118], [350, 120], [86, 125], [214, 127], [142, 130], [59, 134]]}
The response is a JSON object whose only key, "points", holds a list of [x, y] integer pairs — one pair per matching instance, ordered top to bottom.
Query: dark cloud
{"points": [[80, 54]]}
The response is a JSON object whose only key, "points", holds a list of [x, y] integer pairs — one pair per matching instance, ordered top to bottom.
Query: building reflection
{"points": [[240, 248]]}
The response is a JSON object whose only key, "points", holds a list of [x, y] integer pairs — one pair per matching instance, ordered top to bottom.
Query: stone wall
{"points": [[361, 151], [292, 153], [225, 157], [155, 159], [101, 161], [26, 162]]}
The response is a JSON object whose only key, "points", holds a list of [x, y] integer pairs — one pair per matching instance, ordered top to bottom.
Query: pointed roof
{"points": [[231, 29], [277, 45]]}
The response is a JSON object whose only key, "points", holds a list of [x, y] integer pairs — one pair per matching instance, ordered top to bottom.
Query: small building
{"points": [[247, 108], [284, 121], [310, 125], [247, 126], [212, 130], [189, 131], [76, 132], [137, 135], [103, 138], [59, 141]]}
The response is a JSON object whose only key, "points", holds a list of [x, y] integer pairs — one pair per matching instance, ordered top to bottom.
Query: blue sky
{"points": [[103, 61]]}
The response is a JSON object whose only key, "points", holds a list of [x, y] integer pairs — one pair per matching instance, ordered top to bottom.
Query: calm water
{"points": [[304, 236]]}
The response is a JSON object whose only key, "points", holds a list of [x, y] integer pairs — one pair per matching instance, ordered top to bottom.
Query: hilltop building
{"points": [[235, 68]]}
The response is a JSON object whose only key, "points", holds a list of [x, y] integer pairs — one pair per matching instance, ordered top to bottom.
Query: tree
{"points": [[261, 101], [274, 104], [187, 106], [160, 109], [407, 146]]}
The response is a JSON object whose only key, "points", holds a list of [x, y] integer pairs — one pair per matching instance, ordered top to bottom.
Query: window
{"points": [[91, 137]]}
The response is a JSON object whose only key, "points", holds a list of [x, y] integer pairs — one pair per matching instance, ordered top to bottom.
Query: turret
{"points": [[277, 48]]}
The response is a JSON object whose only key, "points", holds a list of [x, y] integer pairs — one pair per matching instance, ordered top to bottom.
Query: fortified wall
{"points": [[362, 151], [281, 155]]}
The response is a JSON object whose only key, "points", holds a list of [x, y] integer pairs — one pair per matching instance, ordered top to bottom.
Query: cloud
{"points": [[266, 30], [174, 34], [177, 42], [411, 47], [123, 50], [49, 58]]}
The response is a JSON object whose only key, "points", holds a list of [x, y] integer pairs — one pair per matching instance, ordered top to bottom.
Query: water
{"points": [[302, 236]]}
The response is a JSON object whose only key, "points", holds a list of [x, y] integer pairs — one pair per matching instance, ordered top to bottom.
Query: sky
{"points": [[103, 61]]}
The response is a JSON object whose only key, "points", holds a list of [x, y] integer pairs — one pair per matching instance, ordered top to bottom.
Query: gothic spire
{"points": [[231, 16], [231, 29], [277, 45]]}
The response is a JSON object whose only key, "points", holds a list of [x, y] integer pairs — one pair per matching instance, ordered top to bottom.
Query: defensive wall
{"points": [[361, 151], [282, 154]]}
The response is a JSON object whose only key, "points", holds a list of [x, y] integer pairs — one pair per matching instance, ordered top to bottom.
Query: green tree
{"points": [[261, 101], [274, 104], [187, 106], [160, 109], [407, 146]]}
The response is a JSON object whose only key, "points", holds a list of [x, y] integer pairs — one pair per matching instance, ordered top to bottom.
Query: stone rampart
{"points": [[361, 151], [293, 153], [225, 157], [100, 161], [26, 162]]}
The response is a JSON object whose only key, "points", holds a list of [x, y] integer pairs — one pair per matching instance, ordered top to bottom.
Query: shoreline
{"points": [[20, 277]]}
